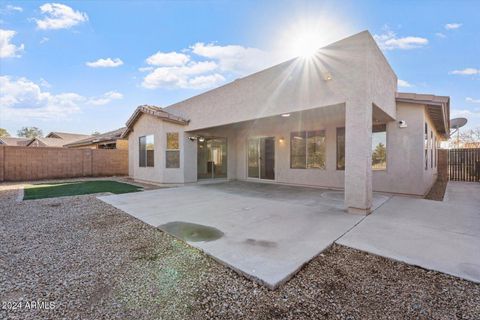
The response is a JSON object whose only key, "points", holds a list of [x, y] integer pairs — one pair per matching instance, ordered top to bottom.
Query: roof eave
{"points": [[166, 116]]}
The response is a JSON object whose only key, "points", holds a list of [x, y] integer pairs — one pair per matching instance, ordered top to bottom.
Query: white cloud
{"points": [[11, 8], [59, 16], [452, 26], [440, 35], [44, 39], [389, 41], [7, 49], [233, 58], [168, 59], [105, 63], [201, 66], [145, 69], [466, 72], [194, 75], [208, 81], [44, 83], [404, 84], [22, 98], [106, 98], [471, 100]]}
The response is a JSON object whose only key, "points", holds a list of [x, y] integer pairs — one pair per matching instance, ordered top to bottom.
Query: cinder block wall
{"points": [[24, 163], [442, 164]]}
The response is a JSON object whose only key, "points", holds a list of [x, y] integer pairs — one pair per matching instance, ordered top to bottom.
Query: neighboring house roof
{"points": [[438, 107], [153, 111], [67, 136], [99, 138], [57, 139], [13, 141], [47, 142], [51, 142]]}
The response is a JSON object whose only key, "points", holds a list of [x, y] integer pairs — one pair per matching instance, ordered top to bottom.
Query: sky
{"points": [[84, 66]]}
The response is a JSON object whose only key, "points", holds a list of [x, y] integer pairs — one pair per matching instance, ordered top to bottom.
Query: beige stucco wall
{"points": [[148, 125], [405, 162]]}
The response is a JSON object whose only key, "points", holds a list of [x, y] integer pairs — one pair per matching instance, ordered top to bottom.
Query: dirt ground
{"points": [[437, 192], [93, 261]]}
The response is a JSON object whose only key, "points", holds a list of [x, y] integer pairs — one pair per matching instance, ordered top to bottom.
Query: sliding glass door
{"points": [[212, 158], [261, 158]]}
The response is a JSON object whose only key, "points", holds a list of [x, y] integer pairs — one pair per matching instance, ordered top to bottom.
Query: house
{"points": [[332, 120], [56, 139], [108, 140], [13, 141]]}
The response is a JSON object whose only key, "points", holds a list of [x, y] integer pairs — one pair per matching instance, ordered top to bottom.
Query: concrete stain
{"points": [[191, 231], [261, 243]]}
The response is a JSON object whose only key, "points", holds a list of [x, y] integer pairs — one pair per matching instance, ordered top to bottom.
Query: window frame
{"points": [[383, 127], [340, 131], [306, 134], [426, 145], [169, 150], [145, 163]]}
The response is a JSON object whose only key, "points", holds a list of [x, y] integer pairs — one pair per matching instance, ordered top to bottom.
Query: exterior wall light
{"points": [[327, 76], [286, 115], [201, 139]]}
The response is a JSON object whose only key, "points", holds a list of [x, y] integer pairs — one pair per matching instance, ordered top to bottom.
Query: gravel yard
{"points": [[94, 261]]}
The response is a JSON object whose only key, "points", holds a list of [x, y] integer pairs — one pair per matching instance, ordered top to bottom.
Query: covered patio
{"points": [[266, 232]]}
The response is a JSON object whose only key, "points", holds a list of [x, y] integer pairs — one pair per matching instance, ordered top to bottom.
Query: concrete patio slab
{"points": [[269, 231], [442, 236]]}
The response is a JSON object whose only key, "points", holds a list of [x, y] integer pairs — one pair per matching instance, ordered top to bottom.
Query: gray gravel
{"points": [[96, 262]]}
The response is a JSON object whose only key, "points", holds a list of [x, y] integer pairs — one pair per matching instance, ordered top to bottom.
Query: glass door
{"points": [[212, 158], [261, 158]]}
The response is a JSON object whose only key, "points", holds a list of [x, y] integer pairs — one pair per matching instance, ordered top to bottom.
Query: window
{"points": [[316, 146], [426, 146], [379, 147], [340, 148], [431, 149], [307, 150], [146, 151], [172, 153]]}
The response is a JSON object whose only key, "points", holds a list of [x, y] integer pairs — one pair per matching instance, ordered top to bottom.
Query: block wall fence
{"points": [[27, 163]]}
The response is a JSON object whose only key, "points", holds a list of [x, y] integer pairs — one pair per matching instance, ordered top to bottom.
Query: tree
{"points": [[30, 132], [4, 133], [470, 138], [465, 139], [379, 155]]}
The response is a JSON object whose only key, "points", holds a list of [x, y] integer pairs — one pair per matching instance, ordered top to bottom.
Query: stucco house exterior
{"points": [[333, 120]]}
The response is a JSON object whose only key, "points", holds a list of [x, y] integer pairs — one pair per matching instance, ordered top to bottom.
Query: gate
{"points": [[464, 164]]}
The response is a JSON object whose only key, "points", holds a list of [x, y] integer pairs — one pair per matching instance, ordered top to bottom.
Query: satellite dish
{"points": [[457, 123]]}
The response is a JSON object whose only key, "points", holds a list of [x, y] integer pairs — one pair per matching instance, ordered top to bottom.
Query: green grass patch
{"points": [[74, 188]]}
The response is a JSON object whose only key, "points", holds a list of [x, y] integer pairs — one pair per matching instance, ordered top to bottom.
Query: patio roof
{"points": [[438, 107], [153, 111]]}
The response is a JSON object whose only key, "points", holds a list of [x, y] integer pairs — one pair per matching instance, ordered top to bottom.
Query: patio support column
{"points": [[358, 156]]}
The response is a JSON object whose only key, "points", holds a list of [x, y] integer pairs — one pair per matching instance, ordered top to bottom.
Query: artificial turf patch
{"points": [[74, 188]]}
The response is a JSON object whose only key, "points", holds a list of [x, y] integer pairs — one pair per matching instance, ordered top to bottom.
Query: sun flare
{"points": [[306, 34], [305, 44]]}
